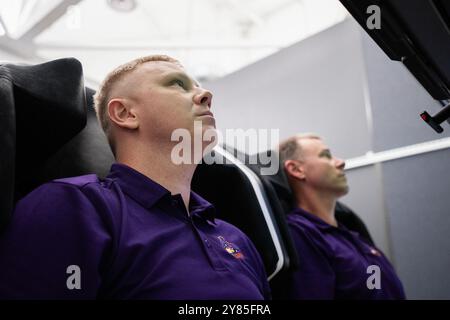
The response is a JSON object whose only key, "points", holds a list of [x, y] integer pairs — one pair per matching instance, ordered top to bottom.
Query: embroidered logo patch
{"points": [[231, 248], [375, 252]]}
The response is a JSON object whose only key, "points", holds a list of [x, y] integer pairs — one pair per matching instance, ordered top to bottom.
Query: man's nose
{"points": [[204, 97], [340, 163]]}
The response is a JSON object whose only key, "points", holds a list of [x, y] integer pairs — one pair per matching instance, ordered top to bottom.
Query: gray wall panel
{"points": [[315, 85], [417, 195]]}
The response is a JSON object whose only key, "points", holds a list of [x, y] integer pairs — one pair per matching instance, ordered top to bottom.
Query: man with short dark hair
{"points": [[140, 233], [335, 263]]}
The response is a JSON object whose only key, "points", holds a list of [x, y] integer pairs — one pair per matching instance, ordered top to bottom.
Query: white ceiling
{"points": [[211, 37]]}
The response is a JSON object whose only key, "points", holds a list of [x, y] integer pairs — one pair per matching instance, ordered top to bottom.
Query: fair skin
{"points": [[146, 107], [317, 179]]}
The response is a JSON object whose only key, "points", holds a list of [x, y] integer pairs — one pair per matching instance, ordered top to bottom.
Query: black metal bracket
{"points": [[436, 120]]}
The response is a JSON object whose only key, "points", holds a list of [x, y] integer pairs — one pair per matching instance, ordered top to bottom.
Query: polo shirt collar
{"points": [[136, 185], [148, 192], [200, 207], [314, 219]]}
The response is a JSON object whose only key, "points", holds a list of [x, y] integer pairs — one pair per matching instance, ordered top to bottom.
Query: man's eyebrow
{"points": [[182, 75], [325, 151]]}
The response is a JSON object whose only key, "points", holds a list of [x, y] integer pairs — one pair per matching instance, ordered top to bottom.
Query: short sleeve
{"points": [[54, 246]]}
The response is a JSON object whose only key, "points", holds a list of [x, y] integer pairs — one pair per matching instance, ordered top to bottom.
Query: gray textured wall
{"points": [[418, 202]]}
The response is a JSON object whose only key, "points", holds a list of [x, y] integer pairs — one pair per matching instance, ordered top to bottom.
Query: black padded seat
{"points": [[42, 107]]}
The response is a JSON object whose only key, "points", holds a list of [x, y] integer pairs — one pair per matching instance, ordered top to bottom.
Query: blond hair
{"points": [[103, 94]]}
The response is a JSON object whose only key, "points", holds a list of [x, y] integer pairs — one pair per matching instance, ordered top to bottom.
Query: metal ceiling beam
{"points": [[280, 6], [253, 18], [48, 20], [4, 26], [166, 46]]}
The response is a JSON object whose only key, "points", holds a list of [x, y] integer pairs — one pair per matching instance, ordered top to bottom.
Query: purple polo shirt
{"points": [[130, 238], [334, 263]]}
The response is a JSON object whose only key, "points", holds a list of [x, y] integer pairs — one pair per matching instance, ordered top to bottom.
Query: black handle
{"points": [[437, 119]]}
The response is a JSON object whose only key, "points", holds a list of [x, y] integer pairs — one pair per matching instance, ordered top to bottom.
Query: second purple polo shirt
{"points": [[336, 263]]}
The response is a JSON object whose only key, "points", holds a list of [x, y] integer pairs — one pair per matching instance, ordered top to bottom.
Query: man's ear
{"points": [[122, 114], [294, 169]]}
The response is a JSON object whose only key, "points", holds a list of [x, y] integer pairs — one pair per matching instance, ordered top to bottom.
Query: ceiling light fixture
{"points": [[123, 5]]}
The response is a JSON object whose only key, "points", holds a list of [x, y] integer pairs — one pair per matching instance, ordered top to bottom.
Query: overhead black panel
{"points": [[415, 32]]}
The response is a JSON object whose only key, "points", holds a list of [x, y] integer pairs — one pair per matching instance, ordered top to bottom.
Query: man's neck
{"points": [[158, 166], [321, 205]]}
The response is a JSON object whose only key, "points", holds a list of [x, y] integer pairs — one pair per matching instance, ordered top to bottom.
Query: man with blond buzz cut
{"points": [[140, 233], [335, 263]]}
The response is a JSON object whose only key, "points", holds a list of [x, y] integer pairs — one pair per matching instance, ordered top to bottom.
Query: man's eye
{"points": [[179, 83]]}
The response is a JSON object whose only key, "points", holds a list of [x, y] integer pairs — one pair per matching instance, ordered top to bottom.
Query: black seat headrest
{"points": [[49, 101], [42, 107], [277, 180]]}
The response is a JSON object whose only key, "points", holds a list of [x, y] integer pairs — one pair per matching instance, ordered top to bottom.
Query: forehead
{"points": [[159, 69], [154, 71], [147, 74], [312, 145]]}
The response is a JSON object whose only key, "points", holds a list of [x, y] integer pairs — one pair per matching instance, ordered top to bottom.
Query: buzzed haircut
{"points": [[103, 94]]}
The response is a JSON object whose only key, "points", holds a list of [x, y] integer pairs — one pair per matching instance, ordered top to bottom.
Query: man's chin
{"points": [[208, 122], [209, 127], [342, 191]]}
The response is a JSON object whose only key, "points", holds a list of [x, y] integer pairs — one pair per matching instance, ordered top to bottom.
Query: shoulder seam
{"points": [[72, 184]]}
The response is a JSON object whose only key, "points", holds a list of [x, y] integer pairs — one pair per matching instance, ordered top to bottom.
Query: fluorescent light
{"points": [[122, 5]]}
